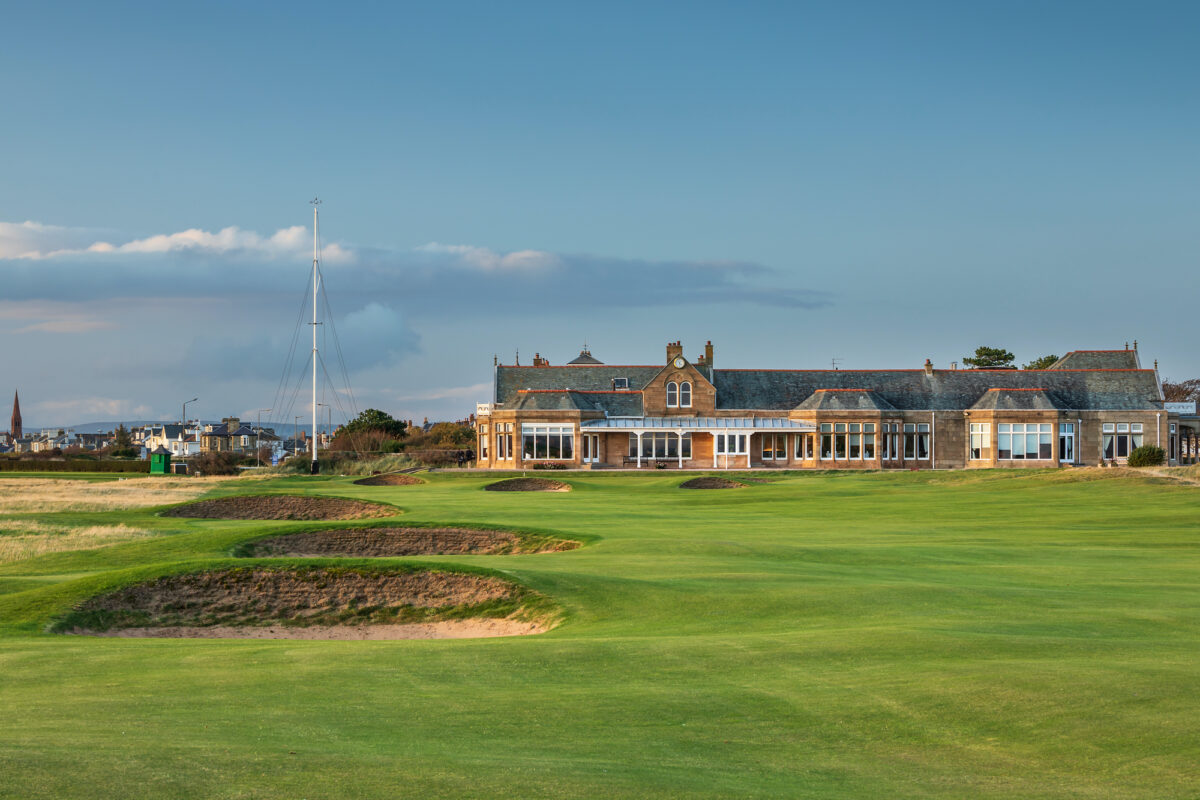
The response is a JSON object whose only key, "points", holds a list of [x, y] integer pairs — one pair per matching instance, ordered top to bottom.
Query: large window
{"points": [[1119, 438], [916, 440], [981, 440], [504, 441], [848, 441], [889, 441], [1023, 441], [483, 442], [548, 442], [1066, 442], [732, 444], [661, 445], [804, 446], [774, 447]]}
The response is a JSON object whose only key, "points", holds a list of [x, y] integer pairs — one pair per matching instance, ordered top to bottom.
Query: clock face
{"points": [[679, 362]]}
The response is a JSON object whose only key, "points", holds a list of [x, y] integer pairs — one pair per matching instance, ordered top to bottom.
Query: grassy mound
{"points": [[711, 482], [528, 485], [281, 506], [407, 541]]}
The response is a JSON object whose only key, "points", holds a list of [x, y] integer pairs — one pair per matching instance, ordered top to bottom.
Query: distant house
{"points": [[231, 436], [175, 439]]}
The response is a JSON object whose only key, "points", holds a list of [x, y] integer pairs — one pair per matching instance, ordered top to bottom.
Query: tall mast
{"points": [[316, 287]]}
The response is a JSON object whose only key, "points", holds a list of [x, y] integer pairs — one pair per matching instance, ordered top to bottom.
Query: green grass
{"points": [[918, 635]]}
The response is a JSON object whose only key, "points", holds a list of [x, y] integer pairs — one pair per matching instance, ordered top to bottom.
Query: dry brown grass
{"points": [[43, 495], [21, 539]]}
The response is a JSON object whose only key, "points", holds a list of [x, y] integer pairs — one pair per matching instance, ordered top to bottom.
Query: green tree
{"points": [[990, 358], [1041, 363], [374, 420], [122, 446]]}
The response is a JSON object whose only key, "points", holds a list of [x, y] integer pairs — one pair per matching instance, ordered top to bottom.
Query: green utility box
{"points": [[160, 461]]}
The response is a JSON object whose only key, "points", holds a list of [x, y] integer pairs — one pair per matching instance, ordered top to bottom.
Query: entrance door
{"points": [[591, 448]]}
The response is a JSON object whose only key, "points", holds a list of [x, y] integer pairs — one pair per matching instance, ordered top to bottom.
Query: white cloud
{"points": [[35, 241], [486, 259], [51, 317], [472, 392], [79, 408]]}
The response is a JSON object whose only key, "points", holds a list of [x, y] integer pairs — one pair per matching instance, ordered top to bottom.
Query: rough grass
{"points": [[42, 495], [22, 539], [991, 634]]}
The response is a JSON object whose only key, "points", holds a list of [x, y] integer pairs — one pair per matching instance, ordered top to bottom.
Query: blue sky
{"points": [[875, 182]]}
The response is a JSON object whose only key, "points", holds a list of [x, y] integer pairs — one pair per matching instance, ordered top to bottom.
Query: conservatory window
{"points": [[1023, 441], [549, 442]]}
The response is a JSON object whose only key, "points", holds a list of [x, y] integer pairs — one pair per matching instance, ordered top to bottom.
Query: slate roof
{"points": [[585, 357], [1098, 359], [591, 377], [783, 390], [944, 390], [845, 400], [1017, 400], [614, 404]]}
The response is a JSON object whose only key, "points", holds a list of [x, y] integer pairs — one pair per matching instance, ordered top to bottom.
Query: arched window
{"points": [[672, 394], [685, 395]]}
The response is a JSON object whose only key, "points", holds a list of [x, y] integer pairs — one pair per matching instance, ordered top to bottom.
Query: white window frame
{"points": [[672, 394], [685, 394], [1040, 430], [564, 433], [1067, 434], [1118, 436], [981, 441], [731, 444], [771, 449]]}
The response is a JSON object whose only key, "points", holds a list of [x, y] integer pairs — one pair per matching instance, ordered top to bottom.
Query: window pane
{"points": [[672, 394], [685, 394], [826, 427], [839, 427], [854, 427], [868, 427], [1136, 427], [1109, 428], [1137, 440], [1004, 444], [527, 445], [568, 445], [687, 445], [855, 445], [910, 445], [923, 445], [826, 446], [839, 446], [869, 446], [1122, 446], [1044, 448], [1109, 453]]}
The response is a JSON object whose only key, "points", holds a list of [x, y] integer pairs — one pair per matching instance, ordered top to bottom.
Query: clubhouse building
{"points": [[1091, 407]]}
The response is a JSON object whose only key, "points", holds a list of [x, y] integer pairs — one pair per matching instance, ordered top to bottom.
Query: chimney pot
{"points": [[928, 367]]}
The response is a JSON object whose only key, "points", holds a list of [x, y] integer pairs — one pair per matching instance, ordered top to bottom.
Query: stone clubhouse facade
{"points": [[1091, 407]]}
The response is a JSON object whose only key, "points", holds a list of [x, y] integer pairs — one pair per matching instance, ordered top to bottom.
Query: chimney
{"points": [[673, 349], [708, 353], [538, 361], [953, 365], [928, 367], [231, 424]]}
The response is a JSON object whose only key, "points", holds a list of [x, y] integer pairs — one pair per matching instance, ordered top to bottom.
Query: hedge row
{"points": [[74, 465]]}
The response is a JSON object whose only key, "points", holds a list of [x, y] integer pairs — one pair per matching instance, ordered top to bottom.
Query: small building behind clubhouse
{"points": [[1089, 408]]}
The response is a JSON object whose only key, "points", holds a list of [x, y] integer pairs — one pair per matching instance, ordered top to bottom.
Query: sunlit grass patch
{"points": [[48, 495], [22, 539]]}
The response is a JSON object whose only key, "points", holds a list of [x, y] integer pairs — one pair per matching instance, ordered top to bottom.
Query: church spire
{"points": [[14, 429]]}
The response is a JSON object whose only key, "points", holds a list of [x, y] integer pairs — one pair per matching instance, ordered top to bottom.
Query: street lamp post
{"points": [[183, 413]]}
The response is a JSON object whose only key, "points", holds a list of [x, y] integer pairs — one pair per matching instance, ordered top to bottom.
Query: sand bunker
{"points": [[393, 479], [711, 483], [528, 485], [281, 506], [385, 542], [310, 603]]}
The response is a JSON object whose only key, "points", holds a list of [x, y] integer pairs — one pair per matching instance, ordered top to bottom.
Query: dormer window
{"points": [[620, 383], [672, 394]]}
